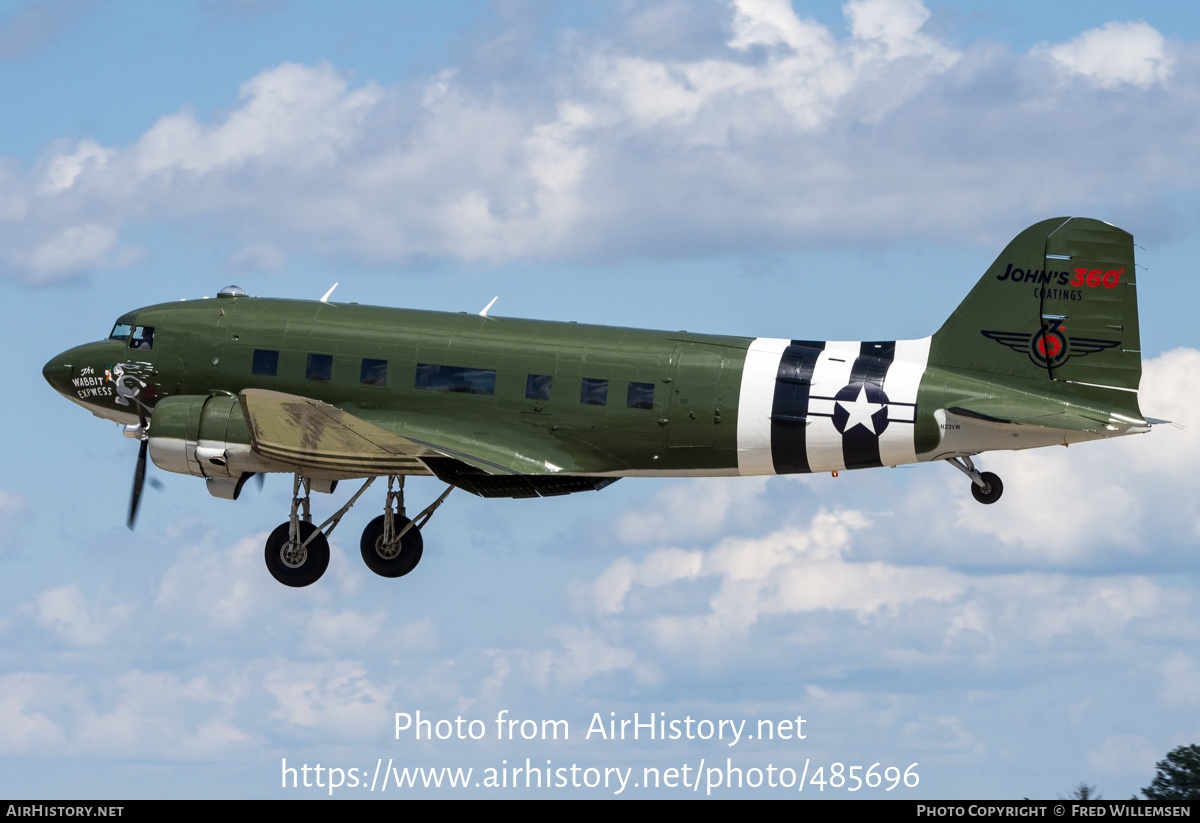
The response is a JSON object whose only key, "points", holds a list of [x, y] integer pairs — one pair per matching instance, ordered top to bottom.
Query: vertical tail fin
{"points": [[1059, 303]]}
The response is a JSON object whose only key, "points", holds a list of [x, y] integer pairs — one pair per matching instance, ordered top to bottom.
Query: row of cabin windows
{"points": [[319, 367], [459, 379], [592, 392]]}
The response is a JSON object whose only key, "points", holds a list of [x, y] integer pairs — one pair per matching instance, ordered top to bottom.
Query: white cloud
{"points": [[774, 23], [36, 25], [893, 27], [1116, 54], [296, 115], [784, 135], [63, 170], [72, 248], [263, 256], [1170, 390], [1096, 499], [10, 503], [693, 510], [1109, 511], [662, 567], [791, 571], [743, 584], [229, 593], [684, 606], [65, 611], [889, 653], [583, 655], [205, 663], [1181, 680], [340, 695], [161, 712], [156, 713], [24, 724], [941, 733], [1125, 754]]}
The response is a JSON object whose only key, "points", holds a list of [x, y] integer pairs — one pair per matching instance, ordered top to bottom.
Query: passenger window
{"points": [[142, 337], [265, 362], [320, 367], [374, 372], [456, 379], [537, 387], [594, 392], [641, 396]]}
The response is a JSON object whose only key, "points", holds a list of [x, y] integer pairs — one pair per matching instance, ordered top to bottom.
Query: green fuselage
{"points": [[686, 421]]}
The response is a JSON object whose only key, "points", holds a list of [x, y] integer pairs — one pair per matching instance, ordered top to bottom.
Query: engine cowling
{"points": [[205, 436]]}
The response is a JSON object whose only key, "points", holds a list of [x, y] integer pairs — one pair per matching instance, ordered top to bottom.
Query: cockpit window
{"points": [[120, 332], [142, 338]]}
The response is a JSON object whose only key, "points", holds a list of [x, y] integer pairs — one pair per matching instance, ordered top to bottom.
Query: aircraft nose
{"points": [[58, 372]]}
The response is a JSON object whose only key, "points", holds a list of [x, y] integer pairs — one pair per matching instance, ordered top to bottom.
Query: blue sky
{"points": [[812, 170]]}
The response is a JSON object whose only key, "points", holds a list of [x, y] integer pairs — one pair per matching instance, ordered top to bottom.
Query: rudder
{"points": [[1059, 303]]}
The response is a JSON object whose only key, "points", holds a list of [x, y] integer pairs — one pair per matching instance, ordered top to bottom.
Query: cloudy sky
{"points": [[755, 167]]}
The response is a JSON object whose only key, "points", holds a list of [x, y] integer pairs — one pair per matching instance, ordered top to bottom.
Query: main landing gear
{"points": [[985, 486], [391, 544], [297, 552]]}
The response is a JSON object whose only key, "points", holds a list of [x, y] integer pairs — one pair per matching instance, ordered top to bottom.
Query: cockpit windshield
{"points": [[137, 337], [143, 337]]}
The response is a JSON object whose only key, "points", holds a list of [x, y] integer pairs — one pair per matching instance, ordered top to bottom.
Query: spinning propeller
{"points": [[142, 433], [139, 473]]}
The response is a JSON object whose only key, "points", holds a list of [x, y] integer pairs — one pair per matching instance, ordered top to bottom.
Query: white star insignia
{"points": [[860, 410]]}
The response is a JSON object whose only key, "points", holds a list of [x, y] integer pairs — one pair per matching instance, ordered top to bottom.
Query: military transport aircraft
{"points": [[1043, 351]]}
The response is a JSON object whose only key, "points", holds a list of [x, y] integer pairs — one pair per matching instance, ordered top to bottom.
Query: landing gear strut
{"points": [[985, 486], [391, 544], [297, 552]]}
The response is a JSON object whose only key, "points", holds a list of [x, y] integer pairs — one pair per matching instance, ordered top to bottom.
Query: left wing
{"points": [[307, 432]]}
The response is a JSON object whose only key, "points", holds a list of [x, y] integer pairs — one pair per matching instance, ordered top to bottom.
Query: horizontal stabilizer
{"points": [[1067, 418]]}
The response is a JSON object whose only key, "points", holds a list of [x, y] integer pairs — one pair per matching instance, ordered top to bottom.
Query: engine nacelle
{"points": [[205, 436]]}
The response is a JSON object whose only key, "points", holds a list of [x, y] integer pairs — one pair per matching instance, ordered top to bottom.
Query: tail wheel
{"points": [[990, 491], [391, 560]]}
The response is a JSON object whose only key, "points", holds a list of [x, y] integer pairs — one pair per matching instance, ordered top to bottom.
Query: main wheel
{"points": [[991, 490], [394, 560], [294, 564]]}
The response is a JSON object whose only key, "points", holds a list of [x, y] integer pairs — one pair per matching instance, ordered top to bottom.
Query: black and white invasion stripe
{"points": [[798, 397]]}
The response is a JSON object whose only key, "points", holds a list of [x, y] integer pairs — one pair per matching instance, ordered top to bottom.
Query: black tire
{"points": [[993, 491], [377, 559], [297, 571]]}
